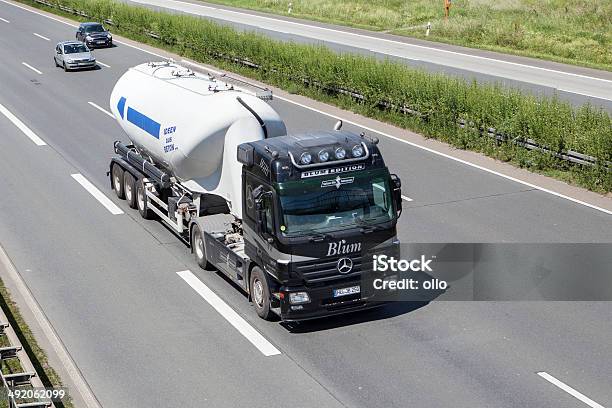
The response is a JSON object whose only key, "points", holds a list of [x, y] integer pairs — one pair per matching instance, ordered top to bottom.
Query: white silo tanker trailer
{"points": [[290, 219]]}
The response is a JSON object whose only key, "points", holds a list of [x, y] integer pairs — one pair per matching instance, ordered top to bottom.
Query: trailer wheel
{"points": [[117, 181], [129, 189], [142, 201], [199, 248], [260, 293]]}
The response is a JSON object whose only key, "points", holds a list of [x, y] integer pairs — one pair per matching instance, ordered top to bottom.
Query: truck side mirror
{"points": [[396, 185], [256, 193]]}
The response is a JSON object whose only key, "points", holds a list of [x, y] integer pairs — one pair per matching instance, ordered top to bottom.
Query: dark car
{"points": [[94, 35]]}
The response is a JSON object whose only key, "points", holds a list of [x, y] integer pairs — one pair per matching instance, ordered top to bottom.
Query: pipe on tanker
{"points": [[261, 122], [139, 162]]}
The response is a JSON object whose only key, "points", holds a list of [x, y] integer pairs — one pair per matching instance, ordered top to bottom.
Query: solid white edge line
{"points": [[39, 13], [5, 20], [310, 26], [42, 36], [138, 48], [103, 64], [32, 68], [585, 94], [101, 109], [21, 126], [545, 190], [97, 194], [47, 328], [252, 335], [569, 390]]}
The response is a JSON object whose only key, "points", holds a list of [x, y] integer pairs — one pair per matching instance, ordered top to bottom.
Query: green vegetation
{"points": [[570, 31], [318, 72], [39, 359]]}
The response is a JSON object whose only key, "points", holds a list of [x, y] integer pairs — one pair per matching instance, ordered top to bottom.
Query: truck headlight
{"points": [[109, 36], [89, 38], [357, 151], [297, 298]]}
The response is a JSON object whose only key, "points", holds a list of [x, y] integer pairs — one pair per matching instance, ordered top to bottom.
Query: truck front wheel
{"points": [[199, 248], [260, 293]]}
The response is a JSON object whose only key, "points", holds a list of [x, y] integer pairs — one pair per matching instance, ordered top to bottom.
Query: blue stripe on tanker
{"points": [[121, 107], [144, 122]]}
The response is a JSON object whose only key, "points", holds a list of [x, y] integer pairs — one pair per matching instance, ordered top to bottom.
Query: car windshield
{"points": [[97, 28], [75, 48], [334, 203]]}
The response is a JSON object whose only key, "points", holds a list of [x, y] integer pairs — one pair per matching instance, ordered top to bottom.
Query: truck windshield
{"points": [[330, 203]]}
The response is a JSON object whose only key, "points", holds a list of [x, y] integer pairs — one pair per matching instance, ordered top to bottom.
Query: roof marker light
{"points": [[357, 151], [323, 155], [305, 158]]}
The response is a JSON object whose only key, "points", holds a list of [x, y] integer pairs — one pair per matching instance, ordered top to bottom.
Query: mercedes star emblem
{"points": [[344, 265]]}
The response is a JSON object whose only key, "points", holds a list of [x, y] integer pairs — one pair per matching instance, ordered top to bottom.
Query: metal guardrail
{"points": [[529, 144], [15, 380]]}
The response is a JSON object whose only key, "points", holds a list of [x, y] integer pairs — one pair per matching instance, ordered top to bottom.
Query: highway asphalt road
{"points": [[575, 84], [143, 337]]}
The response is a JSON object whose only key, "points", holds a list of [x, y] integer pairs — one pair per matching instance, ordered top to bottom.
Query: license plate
{"points": [[99, 42], [347, 291]]}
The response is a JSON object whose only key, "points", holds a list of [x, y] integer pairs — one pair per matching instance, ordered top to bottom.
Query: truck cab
{"points": [[315, 208]]}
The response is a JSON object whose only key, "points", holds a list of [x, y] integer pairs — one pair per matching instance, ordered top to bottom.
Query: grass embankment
{"points": [[570, 31], [314, 71], [45, 372]]}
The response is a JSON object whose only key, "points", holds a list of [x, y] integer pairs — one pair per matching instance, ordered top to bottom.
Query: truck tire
{"points": [[117, 180], [129, 188], [142, 201], [199, 248], [259, 289]]}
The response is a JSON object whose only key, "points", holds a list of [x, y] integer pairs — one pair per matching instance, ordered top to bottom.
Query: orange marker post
{"points": [[447, 6]]}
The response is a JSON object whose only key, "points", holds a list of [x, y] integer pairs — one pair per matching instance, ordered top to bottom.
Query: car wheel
{"points": [[55, 62], [65, 67], [259, 290]]}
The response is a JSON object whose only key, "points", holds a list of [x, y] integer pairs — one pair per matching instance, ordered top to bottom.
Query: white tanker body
{"points": [[190, 125]]}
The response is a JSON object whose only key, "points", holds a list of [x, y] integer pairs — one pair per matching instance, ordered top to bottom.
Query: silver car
{"points": [[73, 55]]}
